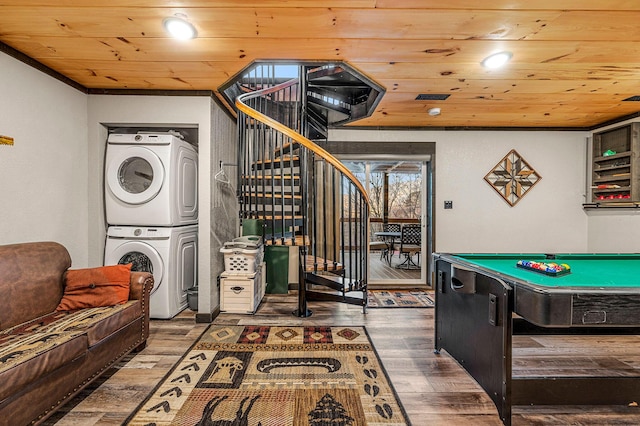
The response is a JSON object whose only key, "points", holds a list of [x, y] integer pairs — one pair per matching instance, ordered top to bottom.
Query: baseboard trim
{"points": [[207, 318]]}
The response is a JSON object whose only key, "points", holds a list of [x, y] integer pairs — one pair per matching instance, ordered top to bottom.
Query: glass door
{"points": [[398, 196]]}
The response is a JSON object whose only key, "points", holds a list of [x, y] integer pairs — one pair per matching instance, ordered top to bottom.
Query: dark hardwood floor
{"points": [[434, 389]]}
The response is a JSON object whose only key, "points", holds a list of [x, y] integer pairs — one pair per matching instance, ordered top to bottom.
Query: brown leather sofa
{"points": [[46, 357]]}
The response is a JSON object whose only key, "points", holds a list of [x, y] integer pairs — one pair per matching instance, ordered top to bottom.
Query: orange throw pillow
{"points": [[94, 287]]}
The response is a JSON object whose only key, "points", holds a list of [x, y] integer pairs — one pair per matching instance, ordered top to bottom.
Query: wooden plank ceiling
{"points": [[574, 61]]}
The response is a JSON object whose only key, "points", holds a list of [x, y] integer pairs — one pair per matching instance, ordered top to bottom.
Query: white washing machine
{"points": [[150, 180], [170, 254]]}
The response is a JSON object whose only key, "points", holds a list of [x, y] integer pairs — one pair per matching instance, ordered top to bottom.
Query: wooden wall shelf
{"points": [[615, 179]]}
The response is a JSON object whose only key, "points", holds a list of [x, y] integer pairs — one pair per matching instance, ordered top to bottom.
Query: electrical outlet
{"points": [[448, 204]]}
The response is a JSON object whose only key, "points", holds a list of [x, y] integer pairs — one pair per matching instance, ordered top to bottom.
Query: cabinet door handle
{"points": [[237, 289]]}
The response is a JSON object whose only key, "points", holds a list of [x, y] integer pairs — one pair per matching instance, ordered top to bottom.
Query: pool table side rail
{"points": [[514, 280], [558, 306]]}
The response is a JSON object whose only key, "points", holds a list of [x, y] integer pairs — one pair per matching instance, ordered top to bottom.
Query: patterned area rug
{"points": [[399, 299], [275, 376]]}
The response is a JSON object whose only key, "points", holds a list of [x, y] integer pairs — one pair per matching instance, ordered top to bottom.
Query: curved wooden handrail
{"points": [[307, 143]]}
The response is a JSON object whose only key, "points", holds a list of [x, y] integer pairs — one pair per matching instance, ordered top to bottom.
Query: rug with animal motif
{"points": [[275, 376]]}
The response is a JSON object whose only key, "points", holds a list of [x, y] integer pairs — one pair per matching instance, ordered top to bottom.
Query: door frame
{"points": [[426, 218]]}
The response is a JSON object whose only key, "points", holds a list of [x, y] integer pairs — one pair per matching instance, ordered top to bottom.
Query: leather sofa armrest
{"points": [[141, 283], [140, 287]]}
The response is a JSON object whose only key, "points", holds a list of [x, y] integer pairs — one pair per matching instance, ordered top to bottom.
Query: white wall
{"points": [[43, 176], [223, 204], [550, 218], [614, 231]]}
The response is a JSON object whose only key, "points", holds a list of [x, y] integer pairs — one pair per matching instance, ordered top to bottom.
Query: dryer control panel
{"points": [[139, 233]]}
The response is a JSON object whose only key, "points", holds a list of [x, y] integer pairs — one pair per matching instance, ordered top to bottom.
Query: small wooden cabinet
{"points": [[615, 167], [242, 293]]}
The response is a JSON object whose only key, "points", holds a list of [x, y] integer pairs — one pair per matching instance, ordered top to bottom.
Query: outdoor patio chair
{"points": [[410, 245]]}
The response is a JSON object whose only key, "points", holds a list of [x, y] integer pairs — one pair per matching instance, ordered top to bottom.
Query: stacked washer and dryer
{"points": [[151, 203]]}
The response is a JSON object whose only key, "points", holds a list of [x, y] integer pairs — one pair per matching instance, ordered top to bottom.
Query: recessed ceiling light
{"points": [[178, 27], [496, 60], [434, 111]]}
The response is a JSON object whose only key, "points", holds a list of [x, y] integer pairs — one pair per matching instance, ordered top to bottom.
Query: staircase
{"points": [[305, 196]]}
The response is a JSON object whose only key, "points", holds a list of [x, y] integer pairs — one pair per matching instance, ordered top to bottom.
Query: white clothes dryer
{"points": [[150, 180], [170, 254]]}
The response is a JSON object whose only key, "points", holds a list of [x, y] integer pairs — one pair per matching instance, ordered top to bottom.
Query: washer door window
{"points": [[135, 175], [142, 256]]}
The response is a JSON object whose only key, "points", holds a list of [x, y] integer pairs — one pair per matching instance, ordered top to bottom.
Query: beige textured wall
{"points": [[43, 176]]}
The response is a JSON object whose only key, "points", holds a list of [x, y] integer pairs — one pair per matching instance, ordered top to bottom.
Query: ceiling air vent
{"points": [[431, 97], [633, 99]]}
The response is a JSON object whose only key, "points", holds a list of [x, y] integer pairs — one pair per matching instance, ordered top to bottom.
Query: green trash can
{"points": [[252, 227], [277, 260]]}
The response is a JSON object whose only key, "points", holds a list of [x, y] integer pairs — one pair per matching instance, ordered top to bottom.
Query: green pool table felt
{"points": [[587, 270]]}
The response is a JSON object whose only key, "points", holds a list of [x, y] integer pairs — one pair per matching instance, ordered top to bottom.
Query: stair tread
{"points": [[324, 71], [328, 105], [287, 147], [279, 159], [269, 177], [273, 195], [280, 217], [299, 240], [330, 266], [336, 278], [335, 282], [340, 297]]}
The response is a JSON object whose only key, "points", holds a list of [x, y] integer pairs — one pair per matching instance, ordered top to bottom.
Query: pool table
{"points": [[482, 300]]}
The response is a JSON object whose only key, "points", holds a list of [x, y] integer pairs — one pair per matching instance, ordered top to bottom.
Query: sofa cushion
{"points": [[94, 287], [98, 323], [30, 350]]}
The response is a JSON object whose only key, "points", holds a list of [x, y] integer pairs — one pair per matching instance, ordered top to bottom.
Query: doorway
{"points": [[399, 190]]}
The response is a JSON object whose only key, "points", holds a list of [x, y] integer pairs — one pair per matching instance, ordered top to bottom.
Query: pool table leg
{"points": [[475, 328]]}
